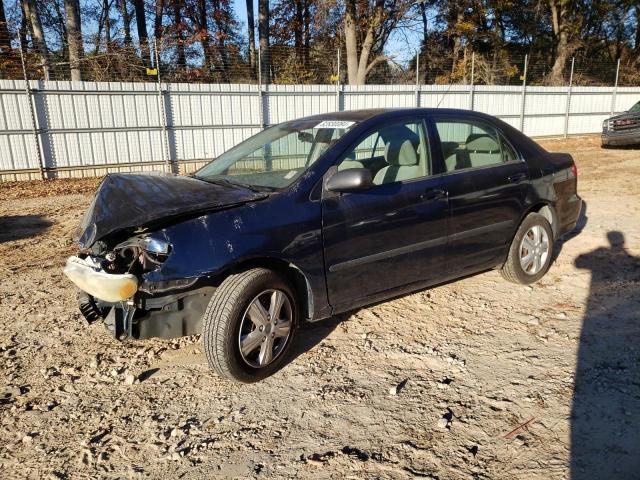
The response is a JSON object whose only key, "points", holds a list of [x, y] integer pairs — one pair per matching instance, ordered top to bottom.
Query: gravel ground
{"points": [[432, 385]]}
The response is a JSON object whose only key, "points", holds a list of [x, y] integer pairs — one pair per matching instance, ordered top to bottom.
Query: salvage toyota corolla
{"points": [[314, 217]]}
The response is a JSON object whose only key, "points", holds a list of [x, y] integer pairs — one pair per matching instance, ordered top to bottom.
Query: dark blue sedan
{"points": [[315, 217]]}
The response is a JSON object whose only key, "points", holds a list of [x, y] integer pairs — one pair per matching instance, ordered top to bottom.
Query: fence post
{"points": [[418, 79], [338, 86], [472, 86], [615, 89], [524, 93], [260, 94], [32, 114], [566, 115], [166, 153]]}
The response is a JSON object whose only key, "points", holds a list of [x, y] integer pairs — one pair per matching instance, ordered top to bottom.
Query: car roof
{"points": [[380, 113]]}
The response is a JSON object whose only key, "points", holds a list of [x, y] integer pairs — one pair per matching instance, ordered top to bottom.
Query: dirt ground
{"points": [[480, 357]]}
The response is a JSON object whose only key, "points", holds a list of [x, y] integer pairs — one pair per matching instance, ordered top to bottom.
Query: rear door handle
{"points": [[518, 177], [434, 194]]}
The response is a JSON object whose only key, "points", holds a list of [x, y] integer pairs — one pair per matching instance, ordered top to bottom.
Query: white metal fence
{"points": [[64, 129]]}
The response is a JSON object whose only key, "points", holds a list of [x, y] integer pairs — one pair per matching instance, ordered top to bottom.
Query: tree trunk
{"points": [[559, 11], [219, 18], [458, 18], [126, 21], [157, 21], [107, 24], [104, 25], [24, 28], [297, 32], [307, 33], [37, 34], [143, 36], [205, 36], [263, 36], [252, 37], [74, 38], [5, 39], [425, 40], [637, 40], [351, 41], [181, 57], [358, 64], [364, 67]]}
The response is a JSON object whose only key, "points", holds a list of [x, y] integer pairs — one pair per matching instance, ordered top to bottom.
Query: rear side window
{"points": [[469, 144]]}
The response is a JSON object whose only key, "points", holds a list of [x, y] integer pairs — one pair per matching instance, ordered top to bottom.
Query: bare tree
{"points": [[220, 18], [157, 21], [126, 22], [104, 25], [179, 28], [367, 31], [37, 34], [205, 35], [143, 36], [252, 36], [263, 36], [74, 38], [5, 39], [636, 44]]}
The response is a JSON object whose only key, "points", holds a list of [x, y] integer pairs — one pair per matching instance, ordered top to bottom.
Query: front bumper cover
{"points": [[620, 139]]}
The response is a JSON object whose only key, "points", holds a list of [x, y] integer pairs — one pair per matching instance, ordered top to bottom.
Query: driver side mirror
{"points": [[350, 180]]}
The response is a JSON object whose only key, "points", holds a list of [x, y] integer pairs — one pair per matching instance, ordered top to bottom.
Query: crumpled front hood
{"points": [[125, 201]]}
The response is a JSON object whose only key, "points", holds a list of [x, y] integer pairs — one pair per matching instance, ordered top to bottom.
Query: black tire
{"points": [[512, 270], [223, 317]]}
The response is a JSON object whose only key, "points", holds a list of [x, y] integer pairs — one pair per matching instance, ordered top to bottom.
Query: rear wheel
{"points": [[530, 252], [249, 325]]}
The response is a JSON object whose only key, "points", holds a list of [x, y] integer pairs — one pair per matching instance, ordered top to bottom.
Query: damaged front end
{"points": [[122, 242], [113, 289]]}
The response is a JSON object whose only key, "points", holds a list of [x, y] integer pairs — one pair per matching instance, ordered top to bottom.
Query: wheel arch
{"points": [[548, 211], [289, 271]]}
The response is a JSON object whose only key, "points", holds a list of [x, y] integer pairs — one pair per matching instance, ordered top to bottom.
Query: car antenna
{"points": [[444, 94]]}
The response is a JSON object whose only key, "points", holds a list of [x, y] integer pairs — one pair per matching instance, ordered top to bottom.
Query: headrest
{"points": [[482, 142], [400, 152]]}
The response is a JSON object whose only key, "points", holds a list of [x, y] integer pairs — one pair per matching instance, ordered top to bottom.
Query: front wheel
{"points": [[530, 252], [249, 325]]}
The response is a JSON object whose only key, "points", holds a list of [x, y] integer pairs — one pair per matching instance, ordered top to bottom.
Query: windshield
{"points": [[635, 108], [277, 156]]}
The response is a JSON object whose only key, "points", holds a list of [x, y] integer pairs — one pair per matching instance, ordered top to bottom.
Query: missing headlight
{"points": [[139, 254]]}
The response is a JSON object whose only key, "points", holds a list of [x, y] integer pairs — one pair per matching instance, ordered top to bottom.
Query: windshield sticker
{"points": [[334, 124], [291, 174]]}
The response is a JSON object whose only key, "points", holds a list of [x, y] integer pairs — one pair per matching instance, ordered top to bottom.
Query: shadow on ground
{"points": [[17, 227], [605, 417]]}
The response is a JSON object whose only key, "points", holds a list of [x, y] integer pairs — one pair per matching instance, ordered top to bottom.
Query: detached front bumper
{"points": [[89, 276]]}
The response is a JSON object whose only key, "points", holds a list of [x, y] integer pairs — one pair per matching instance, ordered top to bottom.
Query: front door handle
{"points": [[518, 177], [434, 194]]}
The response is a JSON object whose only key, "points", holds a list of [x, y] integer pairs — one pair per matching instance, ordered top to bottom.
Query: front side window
{"points": [[635, 108], [470, 144], [393, 154], [277, 156]]}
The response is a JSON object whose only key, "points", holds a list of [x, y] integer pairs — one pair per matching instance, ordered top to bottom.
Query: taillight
{"points": [[574, 170]]}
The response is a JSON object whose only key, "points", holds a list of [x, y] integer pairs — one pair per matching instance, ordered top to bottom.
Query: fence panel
{"points": [[90, 128]]}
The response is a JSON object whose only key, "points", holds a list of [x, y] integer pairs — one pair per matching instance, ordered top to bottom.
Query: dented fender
{"points": [[206, 248]]}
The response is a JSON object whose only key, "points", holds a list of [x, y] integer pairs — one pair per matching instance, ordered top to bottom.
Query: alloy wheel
{"points": [[534, 250], [265, 328]]}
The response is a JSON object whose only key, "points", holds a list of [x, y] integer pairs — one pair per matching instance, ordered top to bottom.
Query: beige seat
{"points": [[483, 150], [403, 162]]}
